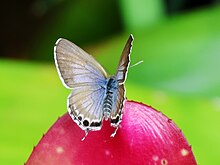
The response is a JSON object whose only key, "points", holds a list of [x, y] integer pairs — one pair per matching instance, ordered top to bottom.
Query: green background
{"points": [[179, 76]]}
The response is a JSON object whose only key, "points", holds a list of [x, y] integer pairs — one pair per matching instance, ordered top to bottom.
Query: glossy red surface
{"points": [[145, 136]]}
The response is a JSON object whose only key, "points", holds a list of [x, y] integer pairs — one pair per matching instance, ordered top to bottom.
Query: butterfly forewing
{"points": [[124, 61], [75, 66], [80, 71]]}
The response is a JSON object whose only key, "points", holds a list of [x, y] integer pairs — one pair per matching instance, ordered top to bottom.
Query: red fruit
{"points": [[145, 136]]}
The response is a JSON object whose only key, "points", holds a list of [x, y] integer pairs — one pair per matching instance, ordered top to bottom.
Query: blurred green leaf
{"points": [[141, 13]]}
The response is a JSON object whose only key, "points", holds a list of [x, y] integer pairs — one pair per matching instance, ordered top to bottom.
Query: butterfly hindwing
{"points": [[85, 106], [116, 114]]}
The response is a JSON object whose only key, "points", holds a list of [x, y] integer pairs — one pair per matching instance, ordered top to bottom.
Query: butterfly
{"points": [[95, 94]]}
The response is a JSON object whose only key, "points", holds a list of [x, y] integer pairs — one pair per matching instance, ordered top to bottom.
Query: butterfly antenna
{"points": [[139, 62], [86, 133]]}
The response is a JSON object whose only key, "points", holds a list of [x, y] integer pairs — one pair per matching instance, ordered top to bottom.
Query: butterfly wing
{"points": [[124, 61], [75, 66], [80, 71], [121, 77], [118, 104], [85, 106]]}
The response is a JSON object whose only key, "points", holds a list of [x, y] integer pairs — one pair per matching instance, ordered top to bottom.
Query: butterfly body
{"points": [[95, 95], [109, 99]]}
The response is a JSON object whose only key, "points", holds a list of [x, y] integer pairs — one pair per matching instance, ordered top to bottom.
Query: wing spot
{"points": [[80, 118], [86, 123], [95, 124]]}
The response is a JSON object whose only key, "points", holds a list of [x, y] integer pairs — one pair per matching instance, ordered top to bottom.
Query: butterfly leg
{"points": [[86, 133], [114, 133]]}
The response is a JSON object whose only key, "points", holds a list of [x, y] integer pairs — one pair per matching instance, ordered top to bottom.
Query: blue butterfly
{"points": [[95, 94]]}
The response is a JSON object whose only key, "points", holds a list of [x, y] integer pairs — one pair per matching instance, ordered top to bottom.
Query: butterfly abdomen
{"points": [[109, 97], [107, 106]]}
